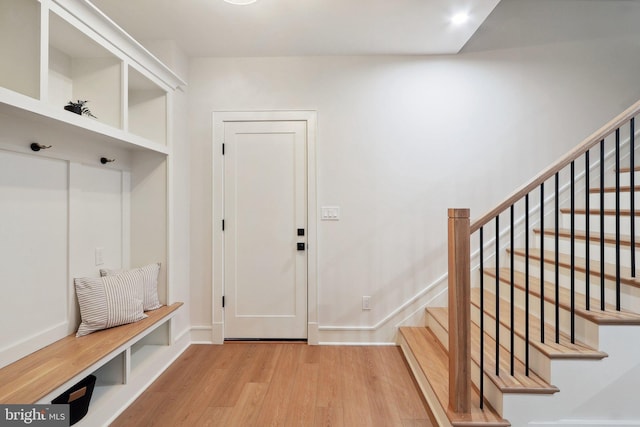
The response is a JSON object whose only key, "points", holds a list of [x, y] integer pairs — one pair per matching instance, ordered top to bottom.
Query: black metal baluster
{"points": [[632, 208], [618, 219], [587, 230], [557, 248], [573, 257], [542, 263], [602, 278], [526, 285], [498, 295], [512, 296], [481, 318]]}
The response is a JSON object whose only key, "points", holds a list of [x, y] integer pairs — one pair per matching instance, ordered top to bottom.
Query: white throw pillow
{"points": [[149, 284], [110, 301]]}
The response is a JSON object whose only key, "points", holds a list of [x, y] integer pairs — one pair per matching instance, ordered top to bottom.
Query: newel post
{"points": [[459, 311]]}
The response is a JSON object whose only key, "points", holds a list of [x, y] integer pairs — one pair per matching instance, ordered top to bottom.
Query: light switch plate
{"points": [[330, 213], [99, 255]]}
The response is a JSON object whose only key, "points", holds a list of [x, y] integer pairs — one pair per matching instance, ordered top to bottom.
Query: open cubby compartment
{"points": [[20, 46], [81, 69], [147, 107], [144, 351], [114, 372]]}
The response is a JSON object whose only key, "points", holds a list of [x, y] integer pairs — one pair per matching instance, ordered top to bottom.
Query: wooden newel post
{"points": [[459, 311]]}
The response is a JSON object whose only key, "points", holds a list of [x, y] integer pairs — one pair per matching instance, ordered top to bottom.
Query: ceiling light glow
{"points": [[240, 2], [460, 18]]}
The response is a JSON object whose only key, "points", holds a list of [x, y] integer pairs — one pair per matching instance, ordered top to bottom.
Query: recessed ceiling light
{"points": [[240, 2], [460, 18]]}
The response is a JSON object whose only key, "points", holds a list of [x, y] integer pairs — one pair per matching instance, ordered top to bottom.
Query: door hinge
{"points": [[223, 148], [223, 225], [222, 301]]}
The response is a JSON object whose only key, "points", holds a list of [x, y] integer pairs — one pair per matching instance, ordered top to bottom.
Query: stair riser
{"points": [[625, 178], [610, 200], [594, 223], [564, 244], [584, 328], [538, 362], [491, 393]]}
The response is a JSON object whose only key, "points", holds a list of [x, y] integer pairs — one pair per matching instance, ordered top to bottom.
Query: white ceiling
{"points": [[301, 27]]}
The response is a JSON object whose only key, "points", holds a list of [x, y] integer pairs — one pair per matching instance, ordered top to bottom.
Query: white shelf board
{"points": [[15, 104]]}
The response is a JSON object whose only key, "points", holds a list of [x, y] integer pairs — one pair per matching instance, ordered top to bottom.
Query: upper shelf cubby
{"points": [[20, 46], [81, 69], [147, 108]]}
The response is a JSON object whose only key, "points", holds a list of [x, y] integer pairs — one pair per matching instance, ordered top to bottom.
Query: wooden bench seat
{"points": [[33, 377]]}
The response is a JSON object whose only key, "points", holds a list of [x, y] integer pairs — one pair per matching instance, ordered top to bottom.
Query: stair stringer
{"points": [[589, 390]]}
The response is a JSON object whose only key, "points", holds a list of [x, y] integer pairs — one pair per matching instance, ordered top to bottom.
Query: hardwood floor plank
{"points": [[282, 384], [402, 385], [329, 389], [303, 396], [381, 399], [276, 404], [247, 409], [357, 411], [331, 416], [213, 417]]}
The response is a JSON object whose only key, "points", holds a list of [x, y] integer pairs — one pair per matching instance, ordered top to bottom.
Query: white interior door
{"points": [[265, 222]]}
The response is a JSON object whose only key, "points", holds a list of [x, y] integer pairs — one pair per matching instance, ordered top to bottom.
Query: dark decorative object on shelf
{"points": [[79, 108]]}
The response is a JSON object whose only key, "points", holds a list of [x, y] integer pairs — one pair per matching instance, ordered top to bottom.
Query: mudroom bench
{"points": [[116, 356]]}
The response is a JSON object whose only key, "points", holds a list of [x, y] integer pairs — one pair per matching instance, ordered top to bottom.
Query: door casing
{"points": [[217, 262]]}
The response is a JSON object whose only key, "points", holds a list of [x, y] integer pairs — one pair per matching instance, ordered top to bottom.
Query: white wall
{"points": [[400, 140]]}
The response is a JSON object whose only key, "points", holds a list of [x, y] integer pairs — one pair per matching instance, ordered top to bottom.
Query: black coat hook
{"points": [[35, 146], [104, 160]]}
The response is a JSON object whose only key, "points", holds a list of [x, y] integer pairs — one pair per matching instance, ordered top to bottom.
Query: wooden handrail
{"points": [[586, 145], [459, 311]]}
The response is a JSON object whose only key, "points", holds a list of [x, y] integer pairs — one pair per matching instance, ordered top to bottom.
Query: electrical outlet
{"points": [[99, 256], [366, 303]]}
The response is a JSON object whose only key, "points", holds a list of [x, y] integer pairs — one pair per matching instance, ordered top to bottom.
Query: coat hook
{"points": [[35, 146], [104, 160]]}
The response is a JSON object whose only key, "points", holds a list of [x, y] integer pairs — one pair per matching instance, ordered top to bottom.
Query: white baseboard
{"points": [[384, 332], [201, 335]]}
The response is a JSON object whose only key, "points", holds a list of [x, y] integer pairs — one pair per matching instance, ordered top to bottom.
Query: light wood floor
{"points": [[282, 384]]}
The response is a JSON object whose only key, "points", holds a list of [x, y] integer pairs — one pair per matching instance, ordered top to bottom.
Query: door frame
{"points": [[217, 209]]}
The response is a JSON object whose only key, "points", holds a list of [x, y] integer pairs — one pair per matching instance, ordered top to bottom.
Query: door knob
{"points": [[301, 246]]}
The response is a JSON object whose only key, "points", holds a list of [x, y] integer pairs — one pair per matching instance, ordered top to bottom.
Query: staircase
{"points": [[543, 321]]}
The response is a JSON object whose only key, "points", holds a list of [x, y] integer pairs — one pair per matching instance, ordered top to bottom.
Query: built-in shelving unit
{"points": [[56, 51]]}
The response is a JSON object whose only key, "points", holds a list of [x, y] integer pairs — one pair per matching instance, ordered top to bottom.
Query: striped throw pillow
{"points": [[149, 284], [111, 301]]}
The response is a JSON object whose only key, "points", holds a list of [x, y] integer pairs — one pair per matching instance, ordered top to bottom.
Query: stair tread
{"points": [[628, 169], [623, 189], [596, 212], [594, 237], [564, 260], [609, 315], [565, 349], [433, 360], [507, 383]]}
